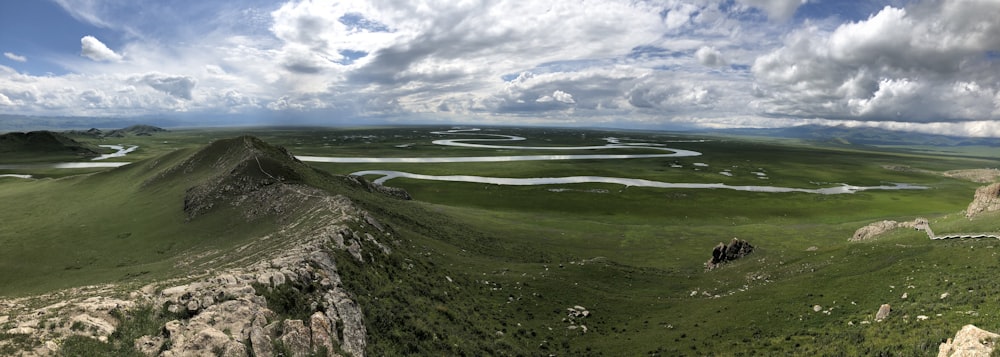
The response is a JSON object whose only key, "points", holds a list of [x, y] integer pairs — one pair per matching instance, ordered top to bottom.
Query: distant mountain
{"points": [[136, 130], [863, 136], [18, 146]]}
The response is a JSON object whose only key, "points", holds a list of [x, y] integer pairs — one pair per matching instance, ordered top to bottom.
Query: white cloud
{"points": [[679, 15], [94, 49], [710, 56], [14, 57], [698, 62], [924, 63], [557, 96], [5, 101]]}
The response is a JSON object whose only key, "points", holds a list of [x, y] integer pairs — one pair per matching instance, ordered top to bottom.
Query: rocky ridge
{"points": [[278, 293], [228, 310]]}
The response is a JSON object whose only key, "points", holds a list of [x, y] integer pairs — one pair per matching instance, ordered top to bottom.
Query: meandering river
{"points": [[612, 144], [120, 151]]}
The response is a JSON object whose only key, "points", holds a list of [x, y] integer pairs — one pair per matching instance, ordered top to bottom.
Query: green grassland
{"points": [[491, 270]]}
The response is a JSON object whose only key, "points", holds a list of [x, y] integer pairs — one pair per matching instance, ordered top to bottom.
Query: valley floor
{"points": [[485, 268]]}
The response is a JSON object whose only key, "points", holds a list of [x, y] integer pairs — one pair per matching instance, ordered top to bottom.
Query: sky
{"points": [[926, 66]]}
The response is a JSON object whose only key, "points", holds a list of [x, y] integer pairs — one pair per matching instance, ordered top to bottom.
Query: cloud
{"points": [[776, 9], [94, 49], [710, 56], [14, 57], [930, 62], [710, 63], [176, 86], [558, 96], [5, 101]]}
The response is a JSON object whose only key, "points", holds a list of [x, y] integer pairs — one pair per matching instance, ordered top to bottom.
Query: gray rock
{"points": [[319, 326], [296, 336], [260, 342], [149, 345], [235, 349]]}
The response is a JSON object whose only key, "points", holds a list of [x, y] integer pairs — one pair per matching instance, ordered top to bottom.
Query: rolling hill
{"points": [[43, 145], [236, 247]]}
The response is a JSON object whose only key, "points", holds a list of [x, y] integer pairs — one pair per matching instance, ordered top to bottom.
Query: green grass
{"points": [[517, 257]]}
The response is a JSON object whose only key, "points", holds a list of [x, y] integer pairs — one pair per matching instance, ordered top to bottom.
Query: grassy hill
{"points": [[18, 147]]}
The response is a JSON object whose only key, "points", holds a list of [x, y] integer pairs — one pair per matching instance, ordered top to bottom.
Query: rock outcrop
{"points": [[986, 199], [875, 229], [722, 253], [227, 311], [970, 341]]}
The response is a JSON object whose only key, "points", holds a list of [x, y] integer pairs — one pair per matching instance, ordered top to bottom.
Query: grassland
{"points": [[519, 256]]}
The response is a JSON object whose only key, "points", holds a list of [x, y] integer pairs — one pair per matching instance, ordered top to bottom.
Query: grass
{"points": [[490, 270], [141, 321]]}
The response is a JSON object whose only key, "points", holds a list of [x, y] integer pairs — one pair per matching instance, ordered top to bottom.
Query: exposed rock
{"points": [[975, 175], [986, 199], [875, 229], [736, 249], [577, 312], [883, 312], [100, 327], [323, 335], [296, 337], [260, 342], [968, 342], [149, 345]]}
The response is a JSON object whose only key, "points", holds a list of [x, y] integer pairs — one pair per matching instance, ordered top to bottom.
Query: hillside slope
{"points": [[38, 145], [236, 249]]}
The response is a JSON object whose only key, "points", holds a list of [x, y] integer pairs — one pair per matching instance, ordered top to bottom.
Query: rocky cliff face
{"points": [[986, 199]]}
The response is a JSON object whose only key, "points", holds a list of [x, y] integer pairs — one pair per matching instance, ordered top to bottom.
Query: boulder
{"points": [[736, 249], [883, 312], [969, 341]]}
